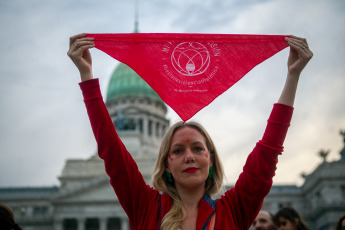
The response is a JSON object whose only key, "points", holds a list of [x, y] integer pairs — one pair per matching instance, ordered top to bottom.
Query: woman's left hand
{"points": [[300, 54]]}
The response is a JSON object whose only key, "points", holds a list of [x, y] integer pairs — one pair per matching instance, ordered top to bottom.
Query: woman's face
{"points": [[189, 159], [285, 224]]}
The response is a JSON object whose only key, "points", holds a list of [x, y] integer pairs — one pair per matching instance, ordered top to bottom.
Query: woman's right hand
{"points": [[79, 46]]}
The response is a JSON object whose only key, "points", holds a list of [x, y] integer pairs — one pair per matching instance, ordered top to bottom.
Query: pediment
{"points": [[98, 190]]}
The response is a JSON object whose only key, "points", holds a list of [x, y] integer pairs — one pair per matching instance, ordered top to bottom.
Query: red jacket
{"points": [[146, 207]]}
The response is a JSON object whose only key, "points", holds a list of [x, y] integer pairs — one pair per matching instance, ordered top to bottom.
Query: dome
{"points": [[125, 82]]}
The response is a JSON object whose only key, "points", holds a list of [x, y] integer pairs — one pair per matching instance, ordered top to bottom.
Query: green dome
{"points": [[126, 82]]}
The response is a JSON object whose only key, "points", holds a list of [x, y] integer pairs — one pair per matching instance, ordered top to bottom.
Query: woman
{"points": [[188, 171], [288, 219]]}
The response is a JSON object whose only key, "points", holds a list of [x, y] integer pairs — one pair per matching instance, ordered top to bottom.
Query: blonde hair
{"points": [[174, 218]]}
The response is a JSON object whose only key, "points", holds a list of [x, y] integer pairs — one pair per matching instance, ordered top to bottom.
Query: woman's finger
{"points": [[75, 37], [301, 40], [298, 41], [79, 43], [300, 45], [78, 47]]}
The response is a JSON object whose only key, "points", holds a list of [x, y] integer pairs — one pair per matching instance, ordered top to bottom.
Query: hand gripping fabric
{"points": [[188, 71]]}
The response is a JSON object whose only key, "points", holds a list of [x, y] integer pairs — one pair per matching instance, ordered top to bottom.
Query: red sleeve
{"points": [[133, 193], [244, 201]]}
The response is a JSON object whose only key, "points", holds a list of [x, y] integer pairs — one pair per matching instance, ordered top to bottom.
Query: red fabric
{"points": [[188, 71], [238, 207]]}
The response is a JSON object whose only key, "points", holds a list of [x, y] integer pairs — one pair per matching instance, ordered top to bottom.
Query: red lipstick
{"points": [[190, 170]]}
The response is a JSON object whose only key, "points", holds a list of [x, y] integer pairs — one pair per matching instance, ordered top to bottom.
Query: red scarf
{"points": [[188, 71]]}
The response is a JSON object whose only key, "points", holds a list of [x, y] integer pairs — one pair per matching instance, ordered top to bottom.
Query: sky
{"points": [[44, 122]]}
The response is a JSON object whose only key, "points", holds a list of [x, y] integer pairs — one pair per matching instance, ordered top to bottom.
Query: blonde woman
{"points": [[188, 170]]}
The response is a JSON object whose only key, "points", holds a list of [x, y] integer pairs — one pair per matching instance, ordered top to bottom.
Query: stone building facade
{"points": [[86, 201]]}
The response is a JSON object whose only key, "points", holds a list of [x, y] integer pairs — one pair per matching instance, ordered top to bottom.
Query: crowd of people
{"points": [[287, 218]]}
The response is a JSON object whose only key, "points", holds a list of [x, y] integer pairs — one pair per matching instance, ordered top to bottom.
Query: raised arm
{"points": [[79, 46], [300, 54], [255, 181], [133, 193]]}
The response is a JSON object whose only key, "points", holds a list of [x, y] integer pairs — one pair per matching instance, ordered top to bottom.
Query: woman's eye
{"points": [[199, 149], [176, 151]]}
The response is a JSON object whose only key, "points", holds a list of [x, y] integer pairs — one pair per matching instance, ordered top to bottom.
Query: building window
{"points": [[124, 123], [128, 124], [150, 127], [157, 129], [163, 130], [343, 191], [318, 195], [19, 211], [23, 211], [40, 211], [70, 224], [92, 224], [114, 224]]}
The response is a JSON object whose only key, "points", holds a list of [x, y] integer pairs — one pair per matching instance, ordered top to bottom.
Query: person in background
{"points": [[288, 218], [7, 219], [264, 221], [341, 223]]}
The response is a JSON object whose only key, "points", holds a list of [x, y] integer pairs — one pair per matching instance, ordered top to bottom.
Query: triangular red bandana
{"points": [[188, 71]]}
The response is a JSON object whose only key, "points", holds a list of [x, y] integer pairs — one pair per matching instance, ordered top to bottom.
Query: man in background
{"points": [[264, 221]]}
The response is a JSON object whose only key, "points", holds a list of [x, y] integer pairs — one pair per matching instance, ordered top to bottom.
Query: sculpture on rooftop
{"points": [[324, 153]]}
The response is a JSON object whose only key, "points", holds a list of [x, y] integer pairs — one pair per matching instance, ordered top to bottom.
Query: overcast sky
{"points": [[43, 120]]}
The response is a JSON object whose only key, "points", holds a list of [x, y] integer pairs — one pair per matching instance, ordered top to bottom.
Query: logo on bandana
{"points": [[190, 58], [191, 62]]}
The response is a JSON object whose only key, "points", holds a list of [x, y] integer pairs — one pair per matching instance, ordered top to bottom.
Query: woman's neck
{"points": [[190, 197]]}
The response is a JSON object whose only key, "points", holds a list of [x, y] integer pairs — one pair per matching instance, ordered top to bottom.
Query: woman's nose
{"points": [[189, 156]]}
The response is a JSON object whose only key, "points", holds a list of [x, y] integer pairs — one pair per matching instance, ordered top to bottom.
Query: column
{"points": [[136, 121], [153, 129], [157, 134], [29, 211], [81, 223], [103, 223], [58, 224], [124, 224]]}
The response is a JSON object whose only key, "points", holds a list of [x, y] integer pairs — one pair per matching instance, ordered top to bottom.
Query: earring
{"points": [[210, 172], [169, 176]]}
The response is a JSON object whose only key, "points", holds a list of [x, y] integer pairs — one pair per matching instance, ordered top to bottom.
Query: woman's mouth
{"points": [[191, 170]]}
